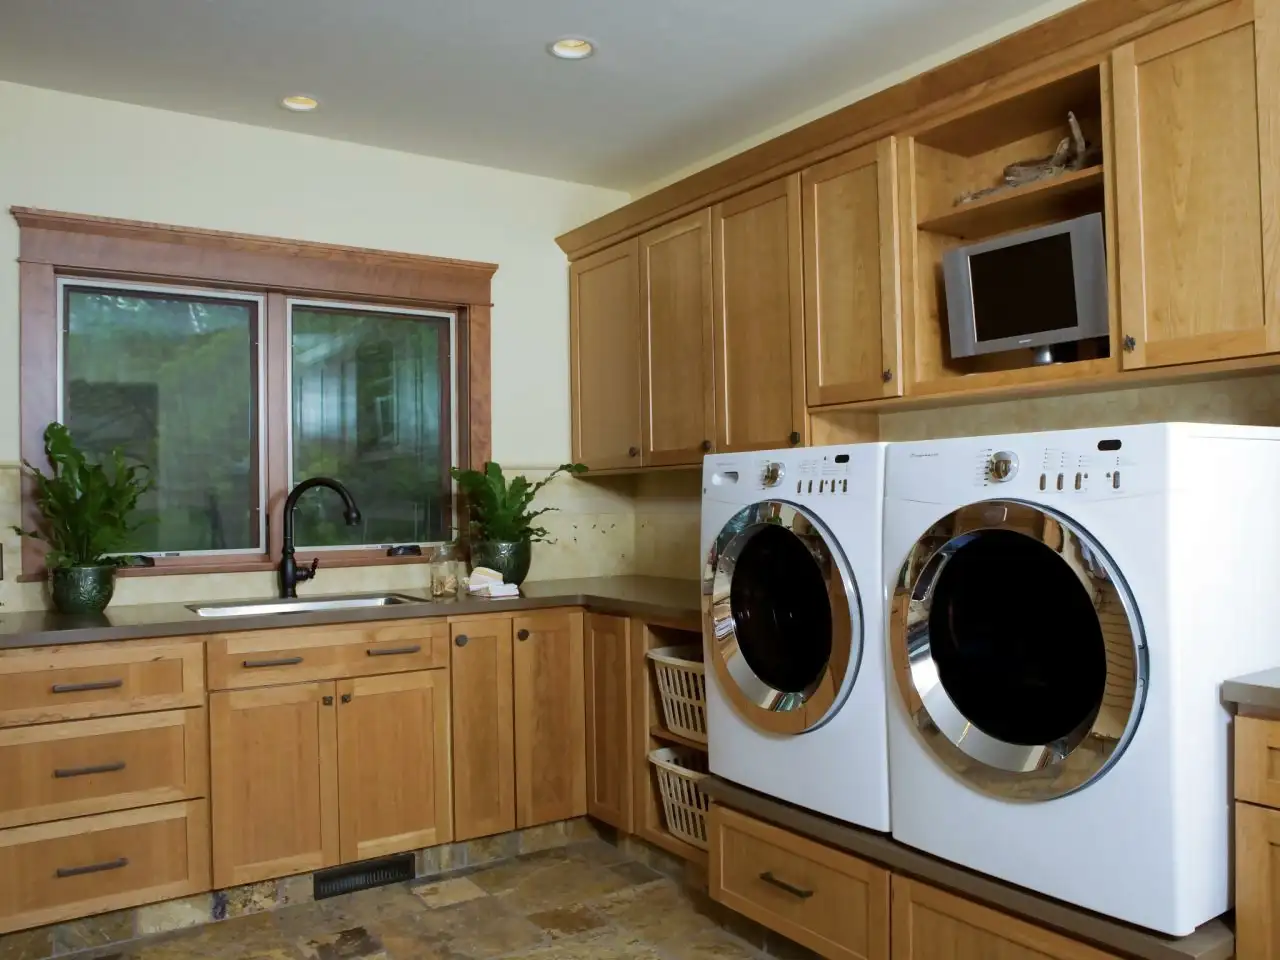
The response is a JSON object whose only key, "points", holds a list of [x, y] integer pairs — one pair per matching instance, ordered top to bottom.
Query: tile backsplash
{"points": [[649, 525]]}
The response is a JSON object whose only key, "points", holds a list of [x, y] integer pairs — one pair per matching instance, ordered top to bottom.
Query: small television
{"points": [[1029, 290]]}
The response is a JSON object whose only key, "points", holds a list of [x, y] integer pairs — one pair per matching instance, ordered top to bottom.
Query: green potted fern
{"points": [[87, 519], [502, 525]]}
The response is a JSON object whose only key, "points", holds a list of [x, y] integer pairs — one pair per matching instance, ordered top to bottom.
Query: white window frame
{"points": [[91, 283], [357, 307]]}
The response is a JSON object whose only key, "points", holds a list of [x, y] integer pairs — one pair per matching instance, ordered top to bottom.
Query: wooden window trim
{"points": [[54, 245]]}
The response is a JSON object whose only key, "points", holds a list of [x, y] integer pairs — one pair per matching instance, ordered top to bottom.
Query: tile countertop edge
{"points": [[660, 598], [1255, 690], [1212, 941]]}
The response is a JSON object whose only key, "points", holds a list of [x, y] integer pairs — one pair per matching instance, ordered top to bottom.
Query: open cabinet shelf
{"points": [[1058, 198]]}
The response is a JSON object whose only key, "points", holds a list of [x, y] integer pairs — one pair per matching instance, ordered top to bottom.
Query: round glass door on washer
{"points": [[785, 627], [1017, 650]]}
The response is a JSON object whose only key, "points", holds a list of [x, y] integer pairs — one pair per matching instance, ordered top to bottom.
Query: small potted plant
{"points": [[87, 517], [502, 530]]}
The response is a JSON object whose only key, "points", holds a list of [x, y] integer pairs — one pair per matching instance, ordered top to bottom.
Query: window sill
{"points": [[332, 561]]}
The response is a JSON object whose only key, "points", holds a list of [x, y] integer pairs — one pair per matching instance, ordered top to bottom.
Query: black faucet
{"points": [[290, 575]]}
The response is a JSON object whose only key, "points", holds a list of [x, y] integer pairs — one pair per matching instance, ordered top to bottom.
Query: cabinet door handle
{"points": [[1130, 344], [887, 376], [795, 437], [706, 446], [633, 452], [522, 634], [461, 639], [394, 651], [278, 662], [85, 687], [346, 698], [327, 701], [64, 773], [63, 872], [795, 891]]}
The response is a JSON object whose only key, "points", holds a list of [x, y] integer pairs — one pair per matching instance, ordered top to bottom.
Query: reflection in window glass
{"points": [[172, 380], [371, 409]]}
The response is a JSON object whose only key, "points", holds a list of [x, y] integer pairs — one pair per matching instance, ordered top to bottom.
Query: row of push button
{"points": [[1080, 478], [824, 486]]}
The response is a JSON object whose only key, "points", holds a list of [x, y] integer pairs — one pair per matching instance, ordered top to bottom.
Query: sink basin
{"points": [[257, 608]]}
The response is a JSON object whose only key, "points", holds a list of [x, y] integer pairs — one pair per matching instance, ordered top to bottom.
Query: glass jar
{"points": [[448, 573]]}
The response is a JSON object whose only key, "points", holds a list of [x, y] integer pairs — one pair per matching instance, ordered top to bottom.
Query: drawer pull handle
{"points": [[395, 651], [278, 662], [85, 687], [65, 773], [64, 872], [795, 891]]}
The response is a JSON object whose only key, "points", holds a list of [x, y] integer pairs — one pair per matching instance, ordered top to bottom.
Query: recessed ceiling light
{"points": [[572, 48], [299, 103]]}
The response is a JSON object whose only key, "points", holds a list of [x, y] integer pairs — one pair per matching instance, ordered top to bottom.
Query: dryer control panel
{"points": [[1051, 469]]}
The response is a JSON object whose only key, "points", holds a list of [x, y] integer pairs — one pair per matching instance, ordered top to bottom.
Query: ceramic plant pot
{"points": [[509, 558], [82, 589]]}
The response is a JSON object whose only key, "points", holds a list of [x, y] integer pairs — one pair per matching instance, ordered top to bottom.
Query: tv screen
{"points": [[1024, 289]]}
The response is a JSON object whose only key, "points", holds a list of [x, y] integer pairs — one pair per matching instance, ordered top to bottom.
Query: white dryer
{"points": [[793, 609], [1063, 610]]}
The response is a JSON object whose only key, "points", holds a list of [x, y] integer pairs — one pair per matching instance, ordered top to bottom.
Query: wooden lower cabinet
{"points": [[550, 717], [610, 760], [393, 764], [274, 781], [484, 793], [73, 868], [1257, 879], [825, 899], [930, 924]]}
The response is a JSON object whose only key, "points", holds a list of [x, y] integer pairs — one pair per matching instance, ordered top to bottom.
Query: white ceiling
{"points": [[470, 80]]}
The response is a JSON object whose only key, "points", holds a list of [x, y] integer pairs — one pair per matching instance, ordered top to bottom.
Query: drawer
{"points": [[260, 658], [44, 684], [1258, 761], [82, 767], [74, 868], [829, 901]]}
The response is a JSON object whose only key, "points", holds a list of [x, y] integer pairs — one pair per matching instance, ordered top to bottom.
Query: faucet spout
{"points": [[290, 575]]}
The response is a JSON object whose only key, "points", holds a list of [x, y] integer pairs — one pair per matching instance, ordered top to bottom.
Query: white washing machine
{"points": [[1063, 608], [793, 613]]}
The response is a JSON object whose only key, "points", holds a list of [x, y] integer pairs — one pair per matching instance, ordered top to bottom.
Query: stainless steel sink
{"points": [[258, 608]]}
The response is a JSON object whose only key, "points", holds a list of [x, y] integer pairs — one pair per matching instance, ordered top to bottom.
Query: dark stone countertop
{"points": [[657, 597], [1256, 690], [1214, 940]]}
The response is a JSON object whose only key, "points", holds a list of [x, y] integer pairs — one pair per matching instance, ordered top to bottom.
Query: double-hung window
{"points": [[177, 377]]}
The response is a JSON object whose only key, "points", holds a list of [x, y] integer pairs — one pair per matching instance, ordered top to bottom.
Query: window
{"points": [[238, 366]]}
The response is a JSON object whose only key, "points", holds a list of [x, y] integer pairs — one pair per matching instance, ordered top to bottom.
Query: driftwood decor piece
{"points": [[1073, 153]]}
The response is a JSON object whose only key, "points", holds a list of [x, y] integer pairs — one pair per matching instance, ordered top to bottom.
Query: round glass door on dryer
{"points": [[784, 618], [1018, 650]]}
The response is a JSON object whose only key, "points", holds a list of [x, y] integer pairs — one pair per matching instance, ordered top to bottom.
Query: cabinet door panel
{"points": [[1196, 198], [676, 303], [851, 305], [604, 316], [759, 318], [550, 715], [610, 761], [393, 763], [274, 782], [484, 792], [1257, 882]]}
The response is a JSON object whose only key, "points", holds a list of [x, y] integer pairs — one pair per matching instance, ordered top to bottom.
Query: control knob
{"points": [[1003, 466], [773, 474]]}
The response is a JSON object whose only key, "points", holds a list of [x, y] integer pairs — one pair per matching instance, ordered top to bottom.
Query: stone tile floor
{"points": [[588, 900]]}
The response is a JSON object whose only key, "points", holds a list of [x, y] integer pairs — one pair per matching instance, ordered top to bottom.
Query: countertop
{"points": [[657, 597], [1258, 690], [1213, 941]]}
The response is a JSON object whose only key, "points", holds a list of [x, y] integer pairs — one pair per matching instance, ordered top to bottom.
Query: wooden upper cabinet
{"points": [[1197, 118], [851, 291], [759, 318], [604, 345], [678, 376], [550, 718], [393, 763], [610, 763], [274, 782], [484, 793], [929, 924]]}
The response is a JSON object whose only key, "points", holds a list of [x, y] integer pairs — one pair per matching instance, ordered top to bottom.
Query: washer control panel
{"points": [[1052, 470]]}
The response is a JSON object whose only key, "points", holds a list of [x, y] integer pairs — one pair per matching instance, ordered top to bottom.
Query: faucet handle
{"points": [[309, 574]]}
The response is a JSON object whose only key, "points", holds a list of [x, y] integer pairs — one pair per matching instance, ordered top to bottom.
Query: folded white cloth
{"points": [[483, 575], [494, 590]]}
